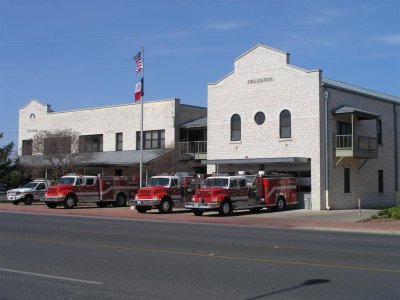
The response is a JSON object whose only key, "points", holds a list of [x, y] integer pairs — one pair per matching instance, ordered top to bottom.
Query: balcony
{"points": [[356, 146], [194, 149]]}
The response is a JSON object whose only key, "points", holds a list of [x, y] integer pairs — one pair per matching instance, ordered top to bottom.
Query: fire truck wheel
{"points": [[28, 200], [120, 201], [16, 202], [69, 202], [280, 204], [51, 205], [165, 206], [226, 208], [141, 209], [198, 212]]}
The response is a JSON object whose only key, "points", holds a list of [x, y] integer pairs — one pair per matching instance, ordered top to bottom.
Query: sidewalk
{"points": [[333, 220]]}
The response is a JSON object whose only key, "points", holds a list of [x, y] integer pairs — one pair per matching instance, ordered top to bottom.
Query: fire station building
{"points": [[112, 133], [341, 141]]}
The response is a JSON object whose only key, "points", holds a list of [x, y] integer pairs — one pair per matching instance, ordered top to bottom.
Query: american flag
{"points": [[138, 60]]}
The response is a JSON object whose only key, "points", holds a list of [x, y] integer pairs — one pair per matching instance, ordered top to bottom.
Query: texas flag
{"points": [[139, 90]]}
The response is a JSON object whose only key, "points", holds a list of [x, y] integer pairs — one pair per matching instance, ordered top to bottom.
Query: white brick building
{"points": [[113, 131], [340, 139]]}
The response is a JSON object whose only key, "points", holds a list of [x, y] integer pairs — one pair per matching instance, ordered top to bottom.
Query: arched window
{"points": [[285, 124], [236, 128], [379, 131]]}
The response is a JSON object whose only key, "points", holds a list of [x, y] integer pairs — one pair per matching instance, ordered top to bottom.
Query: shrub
{"points": [[394, 212]]}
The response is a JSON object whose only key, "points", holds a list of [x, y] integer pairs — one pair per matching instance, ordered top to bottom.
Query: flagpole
{"points": [[141, 124]]}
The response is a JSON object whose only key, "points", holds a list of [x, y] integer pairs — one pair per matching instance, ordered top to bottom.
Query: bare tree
{"points": [[60, 150], [171, 162]]}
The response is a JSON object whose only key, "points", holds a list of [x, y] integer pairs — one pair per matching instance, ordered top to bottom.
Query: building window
{"points": [[259, 118], [285, 124], [236, 128], [343, 128], [379, 131], [344, 135], [154, 139], [118, 141], [91, 143], [57, 145], [27, 147], [118, 172], [347, 180], [380, 181]]}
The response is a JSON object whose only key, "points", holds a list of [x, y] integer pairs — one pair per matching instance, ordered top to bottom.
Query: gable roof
{"points": [[263, 46], [285, 57], [33, 100]]}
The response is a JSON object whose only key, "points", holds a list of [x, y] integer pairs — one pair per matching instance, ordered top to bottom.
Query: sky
{"points": [[78, 53]]}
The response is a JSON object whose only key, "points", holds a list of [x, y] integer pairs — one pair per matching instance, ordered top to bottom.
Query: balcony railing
{"points": [[364, 146], [196, 149]]}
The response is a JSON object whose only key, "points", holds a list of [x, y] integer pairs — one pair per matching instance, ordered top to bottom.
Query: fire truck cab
{"points": [[228, 193]]}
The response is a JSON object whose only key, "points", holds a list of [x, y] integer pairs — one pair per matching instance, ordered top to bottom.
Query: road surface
{"points": [[70, 257]]}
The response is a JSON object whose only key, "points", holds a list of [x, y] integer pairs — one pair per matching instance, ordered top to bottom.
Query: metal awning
{"points": [[361, 114], [198, 123], [108, 158], [257, 160]]}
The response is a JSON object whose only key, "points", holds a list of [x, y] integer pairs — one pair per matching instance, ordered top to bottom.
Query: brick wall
{"points": [[282, 87], [363, 176]]}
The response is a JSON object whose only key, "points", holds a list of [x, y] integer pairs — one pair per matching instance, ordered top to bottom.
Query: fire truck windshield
{"points": [[67, 180], [158, 181], [220, 182]]}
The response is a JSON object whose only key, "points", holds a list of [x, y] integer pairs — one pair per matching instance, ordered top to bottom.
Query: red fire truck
{"points": [[74, 189], [165, 192], [227, 193]]}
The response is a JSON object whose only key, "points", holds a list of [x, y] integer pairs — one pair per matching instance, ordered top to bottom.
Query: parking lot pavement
{"points": [[338, 220]]}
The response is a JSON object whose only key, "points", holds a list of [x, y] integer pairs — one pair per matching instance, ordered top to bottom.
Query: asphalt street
{"points": [[72, 257]]}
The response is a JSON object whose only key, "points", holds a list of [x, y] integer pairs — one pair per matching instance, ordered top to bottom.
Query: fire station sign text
{"points": [[259, 80]]}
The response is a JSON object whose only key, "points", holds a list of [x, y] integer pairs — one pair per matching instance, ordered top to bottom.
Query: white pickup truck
{"points": [[30, 192]]}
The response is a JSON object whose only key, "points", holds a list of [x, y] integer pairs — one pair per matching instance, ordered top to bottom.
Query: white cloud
{"points": [[323, 17], [212, 26], [222, 26], [390, 39], [168, 51], [376, 56]]}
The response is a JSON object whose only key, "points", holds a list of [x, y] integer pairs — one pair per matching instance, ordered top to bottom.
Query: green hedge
{"points": [[393, 213]]}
